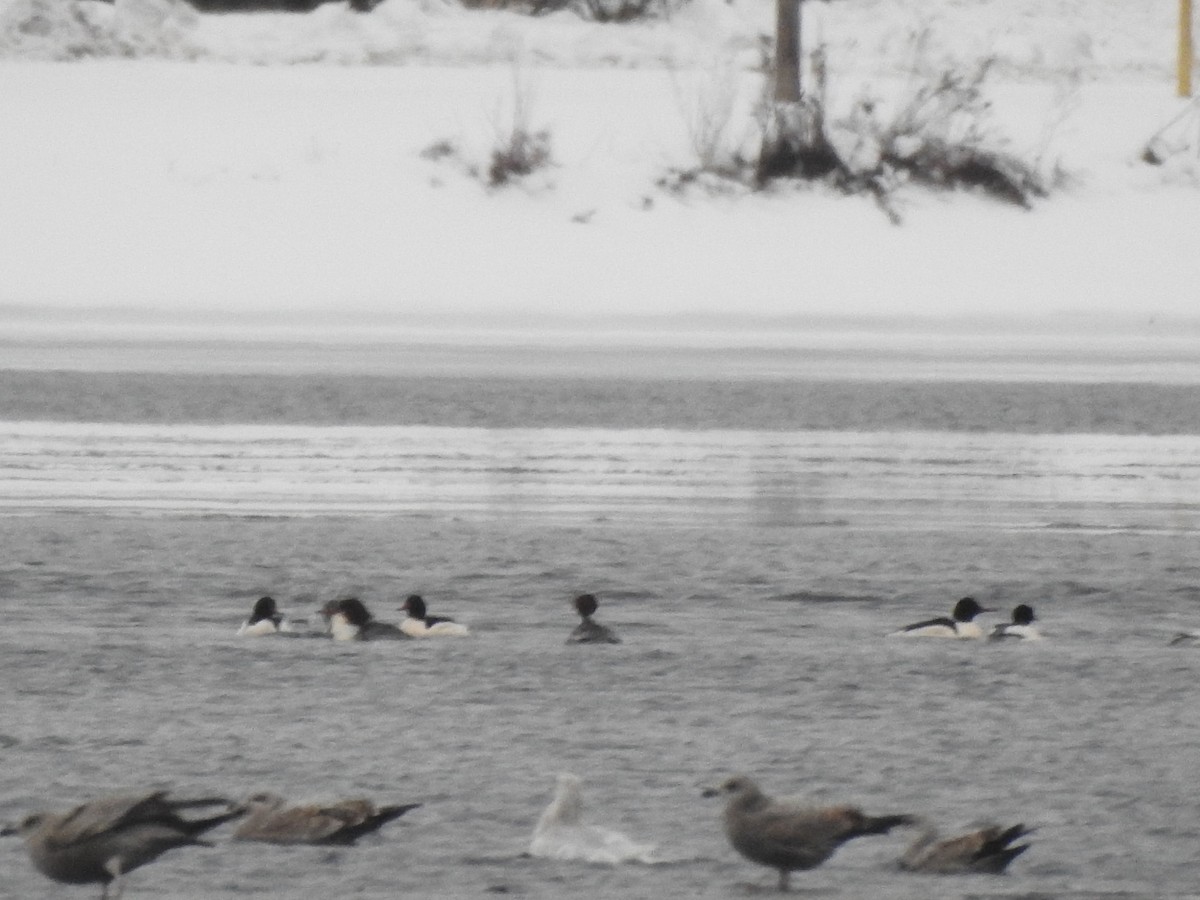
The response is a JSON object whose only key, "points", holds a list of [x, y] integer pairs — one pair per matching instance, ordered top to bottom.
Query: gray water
{"points": [[753, 574]]}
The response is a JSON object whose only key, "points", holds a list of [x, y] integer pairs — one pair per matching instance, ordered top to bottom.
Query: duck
{"points": [[265, 619], [350, 620], [420, 624], [961, 625], [1021, 627], [589, 631], [270, 820], [561, 834], [787, 836], [103, 840], [987, 850]]}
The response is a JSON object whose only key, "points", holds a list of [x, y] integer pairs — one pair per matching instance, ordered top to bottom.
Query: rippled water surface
{"points": [[753, 573]]}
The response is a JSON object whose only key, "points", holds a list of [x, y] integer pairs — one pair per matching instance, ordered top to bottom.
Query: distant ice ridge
{"points": [[878, 480]]}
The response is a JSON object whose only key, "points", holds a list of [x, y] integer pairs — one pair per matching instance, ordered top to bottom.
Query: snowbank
{"points": [[211, 185]]}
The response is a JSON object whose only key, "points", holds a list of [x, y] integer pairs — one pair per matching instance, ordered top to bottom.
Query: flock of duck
{"points": [[348, 619]]}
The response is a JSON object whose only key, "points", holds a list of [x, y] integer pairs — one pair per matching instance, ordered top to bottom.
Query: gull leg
{"points": [[113, 867], [784, 876]]}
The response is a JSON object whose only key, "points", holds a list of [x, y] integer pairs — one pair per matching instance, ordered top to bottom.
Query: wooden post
{"points": [[1186, 48], [787, 51]]}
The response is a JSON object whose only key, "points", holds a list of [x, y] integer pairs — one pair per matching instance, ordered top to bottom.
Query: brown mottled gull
{"points": [[272, 821], [787, 836], [103, 840], [987, 850]]}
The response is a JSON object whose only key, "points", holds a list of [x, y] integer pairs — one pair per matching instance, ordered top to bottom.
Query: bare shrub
{"points": [[597, 10], [619, 10], [54, 29], [71, 29], [707, 104], [938, 133], [1175, 147], [520, 149], [522, 153]]}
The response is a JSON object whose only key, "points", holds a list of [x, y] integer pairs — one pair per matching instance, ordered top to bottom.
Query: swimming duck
{"points": [[264, 619], [349, 620], [420, 624], [962, 625], [1020, 628], [588, 631]]}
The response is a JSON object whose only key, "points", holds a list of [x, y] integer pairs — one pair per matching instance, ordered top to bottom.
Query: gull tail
{"points": [[883, 824]]}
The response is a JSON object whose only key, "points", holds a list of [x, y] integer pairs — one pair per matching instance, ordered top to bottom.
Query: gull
{"points": [[419, 624], [962, 625], [1021, 627], [588, 631], [271, 820], [561, 834], [786, 836], [103, 840], [987, 850]]}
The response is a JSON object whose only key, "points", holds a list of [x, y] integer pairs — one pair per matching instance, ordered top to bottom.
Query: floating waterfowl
{"points": [[265, 619], [350, 620], [420, 624], [961, 625], [1020, 628], [589, 631], [270, 820], [788, 837], [103, 840]]}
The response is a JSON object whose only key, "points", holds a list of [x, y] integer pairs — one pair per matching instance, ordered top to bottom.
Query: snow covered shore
{"points": [[212, 185]]}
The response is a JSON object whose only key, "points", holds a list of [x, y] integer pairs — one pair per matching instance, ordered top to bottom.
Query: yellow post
{"points": [[1186, 49]]}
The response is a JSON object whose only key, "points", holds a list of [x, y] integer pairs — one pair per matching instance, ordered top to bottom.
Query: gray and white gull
{"points": [[561, 834], [787, 836]]}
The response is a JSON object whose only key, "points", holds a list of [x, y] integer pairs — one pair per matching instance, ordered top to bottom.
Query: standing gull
{"points": [[962, 625], [589, 631], [272, 821], [561, 834], [787, 836], [103, 840], [987, 850]]}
